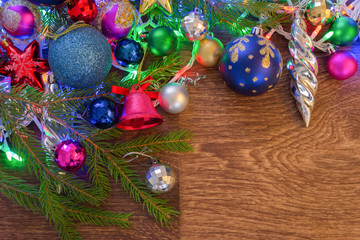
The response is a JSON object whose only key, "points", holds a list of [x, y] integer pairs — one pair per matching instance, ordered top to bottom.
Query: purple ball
{"points": [[18, 21], [110, 28], [342, 65], [70, 155]]}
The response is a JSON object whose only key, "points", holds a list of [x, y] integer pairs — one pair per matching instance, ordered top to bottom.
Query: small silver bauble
{"points": [[194, 26], [174, 98], [160, 178]]}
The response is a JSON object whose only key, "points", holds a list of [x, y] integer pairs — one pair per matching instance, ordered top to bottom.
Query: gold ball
{"points": [[319, 12], [209, 52]]}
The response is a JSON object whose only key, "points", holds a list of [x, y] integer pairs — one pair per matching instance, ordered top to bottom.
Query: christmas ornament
{"points": [[48, 3], [147, 5], [84, 10], [319, 12], [20, 19], [115, 19], [194, 26], [343, 31], [162, 41], [128, 53], [209, 53], [80, 58], [251, 65], [342, 65], [24, 67], [303, 68], [173, 98], [138, 112], [103, 113], [70, 155], [160, 178]]}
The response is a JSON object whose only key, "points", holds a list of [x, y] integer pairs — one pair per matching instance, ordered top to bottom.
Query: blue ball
{"points": [[48, 3], [128, 52], [81, 58], [251, 65], [103, 113]]}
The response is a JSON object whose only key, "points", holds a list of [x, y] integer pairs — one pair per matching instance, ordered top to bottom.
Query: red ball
{"points": [[85, 10], [342, 65], [70, 155]]}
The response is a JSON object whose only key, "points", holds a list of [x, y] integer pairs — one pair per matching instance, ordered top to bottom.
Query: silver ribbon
{"points": [[303, 67]]}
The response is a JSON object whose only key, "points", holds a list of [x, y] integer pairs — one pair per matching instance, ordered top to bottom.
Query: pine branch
{"points": [[175, 141], [19, 192]]}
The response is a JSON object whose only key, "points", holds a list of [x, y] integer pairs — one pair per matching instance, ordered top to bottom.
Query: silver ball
{"points": [[194, 26], [174, 98], [160, 178]]}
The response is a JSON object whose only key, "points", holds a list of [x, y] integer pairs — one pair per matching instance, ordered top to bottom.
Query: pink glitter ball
{"points": [[342, 65], [70, 155]]}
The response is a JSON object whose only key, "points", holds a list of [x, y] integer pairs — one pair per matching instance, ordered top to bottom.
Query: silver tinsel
{"points": [[160, 178]]}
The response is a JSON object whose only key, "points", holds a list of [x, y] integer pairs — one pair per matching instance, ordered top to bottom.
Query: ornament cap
{"points": [[257, 31], [5, 43]]}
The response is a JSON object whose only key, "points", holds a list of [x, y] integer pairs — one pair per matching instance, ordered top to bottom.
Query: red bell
{"points": [[138, 112]]}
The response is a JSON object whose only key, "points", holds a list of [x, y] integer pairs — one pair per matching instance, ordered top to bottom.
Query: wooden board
{"points": [[256, 172]]}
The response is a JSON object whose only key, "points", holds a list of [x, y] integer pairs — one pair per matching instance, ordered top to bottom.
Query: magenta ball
{"points": [[22, 23], [110, 28], [342, 65], [70, 155]]}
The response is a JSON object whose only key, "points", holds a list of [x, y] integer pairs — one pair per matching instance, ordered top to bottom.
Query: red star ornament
{"points": [[25, 67]]}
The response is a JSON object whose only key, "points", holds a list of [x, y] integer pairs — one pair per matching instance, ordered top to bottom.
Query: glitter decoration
{"points": [[20, 19], [115, 19], [194, 26], [81, 58], [70, 155], [160, 178]]}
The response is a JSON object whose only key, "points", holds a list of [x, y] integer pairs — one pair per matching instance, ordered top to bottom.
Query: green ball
{"points": [[344, 31], [162, 41]]}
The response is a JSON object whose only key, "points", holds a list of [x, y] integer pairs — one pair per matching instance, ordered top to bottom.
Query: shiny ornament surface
{"points": [[48, 3], [147, 5], [84, 10], [319, 12], [20, 19], [115, 19], [194, 26], [344, 31], [162, 41], [128, 52], [209, 53], [81, 58], [251, 65], [342, 65], [24, 67], [303, 69], [173, 98], [138, 112], [103, 113], [70, 155], [160, 178]]}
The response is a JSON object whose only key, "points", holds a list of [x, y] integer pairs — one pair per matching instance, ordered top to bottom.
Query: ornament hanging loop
{"points": [[142, 153]]}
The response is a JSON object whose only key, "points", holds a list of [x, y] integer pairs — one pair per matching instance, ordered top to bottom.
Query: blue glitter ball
{"points": [[128, 52], [81, 58], [251, 65], [103, 113]]}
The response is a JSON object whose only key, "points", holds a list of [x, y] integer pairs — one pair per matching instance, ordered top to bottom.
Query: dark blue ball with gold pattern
{"points": [[251, 65]]}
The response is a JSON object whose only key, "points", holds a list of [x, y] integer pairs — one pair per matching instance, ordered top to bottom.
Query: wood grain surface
{"points": [[256, 172]]}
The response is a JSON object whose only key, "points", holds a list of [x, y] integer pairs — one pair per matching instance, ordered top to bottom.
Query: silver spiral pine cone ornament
{"points": [[303, 68], [160, 178]]}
